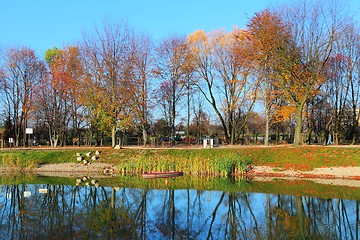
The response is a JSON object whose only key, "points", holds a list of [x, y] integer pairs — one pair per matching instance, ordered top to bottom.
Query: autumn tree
{"points": [[268, 34], [107, 58], [302, 59], [221, 62], [21, 73], [74, 74], [51, 98], [57, 98], [255, 126], [160, 127]]}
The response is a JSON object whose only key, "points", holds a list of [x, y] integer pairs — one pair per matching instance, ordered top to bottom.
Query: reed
{"points": [[197, 162]]}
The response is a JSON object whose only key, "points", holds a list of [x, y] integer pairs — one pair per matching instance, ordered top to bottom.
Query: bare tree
{"points": [[350, 45], [107, 57], [221, 61], [170, 68], [21, 72], [141, 85], [342, 87]]}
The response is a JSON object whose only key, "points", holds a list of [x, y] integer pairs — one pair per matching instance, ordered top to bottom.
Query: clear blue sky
{"points": [[43, 24]]}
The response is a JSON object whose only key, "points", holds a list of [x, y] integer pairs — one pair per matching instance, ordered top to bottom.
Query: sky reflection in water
{"points": [[42, 211]]}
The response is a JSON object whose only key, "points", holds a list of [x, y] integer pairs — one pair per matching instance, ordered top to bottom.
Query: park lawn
{"points": [[306, 157]]}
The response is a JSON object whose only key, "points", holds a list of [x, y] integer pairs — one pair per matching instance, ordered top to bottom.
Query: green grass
{"points": [[305, 158], [27, 159], [213, 162]]}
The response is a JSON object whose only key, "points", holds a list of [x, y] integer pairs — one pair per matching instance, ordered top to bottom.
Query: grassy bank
{"points": [[217, 161]]}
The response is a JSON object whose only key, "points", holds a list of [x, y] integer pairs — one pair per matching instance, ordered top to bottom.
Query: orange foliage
{"points": [[268, 33], [66, 69], [284, 113]]}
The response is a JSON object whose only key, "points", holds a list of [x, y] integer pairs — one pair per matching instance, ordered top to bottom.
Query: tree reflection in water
{"points": [[87, 212]]}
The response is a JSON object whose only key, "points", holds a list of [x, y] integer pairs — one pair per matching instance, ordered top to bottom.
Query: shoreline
{"points": [[267, 162], [350, 173], [336, 176]]}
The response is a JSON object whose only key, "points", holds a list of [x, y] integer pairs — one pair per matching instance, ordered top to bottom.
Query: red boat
{"points": [[162, 174]]}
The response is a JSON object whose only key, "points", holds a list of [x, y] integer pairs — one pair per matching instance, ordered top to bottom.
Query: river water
{"points": [[85, 208]]}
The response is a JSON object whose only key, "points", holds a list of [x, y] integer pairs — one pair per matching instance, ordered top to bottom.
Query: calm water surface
{"points": [[86, 211]]}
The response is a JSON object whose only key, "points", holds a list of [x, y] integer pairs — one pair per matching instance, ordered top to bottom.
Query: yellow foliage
{"points": [[197, 36], [284, 113]]}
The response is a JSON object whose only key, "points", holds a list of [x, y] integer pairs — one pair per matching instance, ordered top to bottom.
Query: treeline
{"points": [[299, 62]]}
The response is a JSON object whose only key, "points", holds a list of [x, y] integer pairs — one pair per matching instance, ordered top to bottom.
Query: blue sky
{"points": [[43, 24]]}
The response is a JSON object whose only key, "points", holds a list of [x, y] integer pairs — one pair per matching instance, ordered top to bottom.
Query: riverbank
{"points": [[324, 162], [339, 176]]}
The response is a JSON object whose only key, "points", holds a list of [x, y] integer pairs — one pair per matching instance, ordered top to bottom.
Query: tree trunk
{"points": [[173, 116], [188, 118], [298, 126], [24, 130], [232, 132], [17, 136], [50, 136], [113, 136], [145, 136], [54, 137], [266, 139], [55, 142]]}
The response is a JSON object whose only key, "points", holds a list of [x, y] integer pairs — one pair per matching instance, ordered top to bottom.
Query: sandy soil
{"points": [[75, 167], [72, 169], [333, 172], [343, 176]]}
